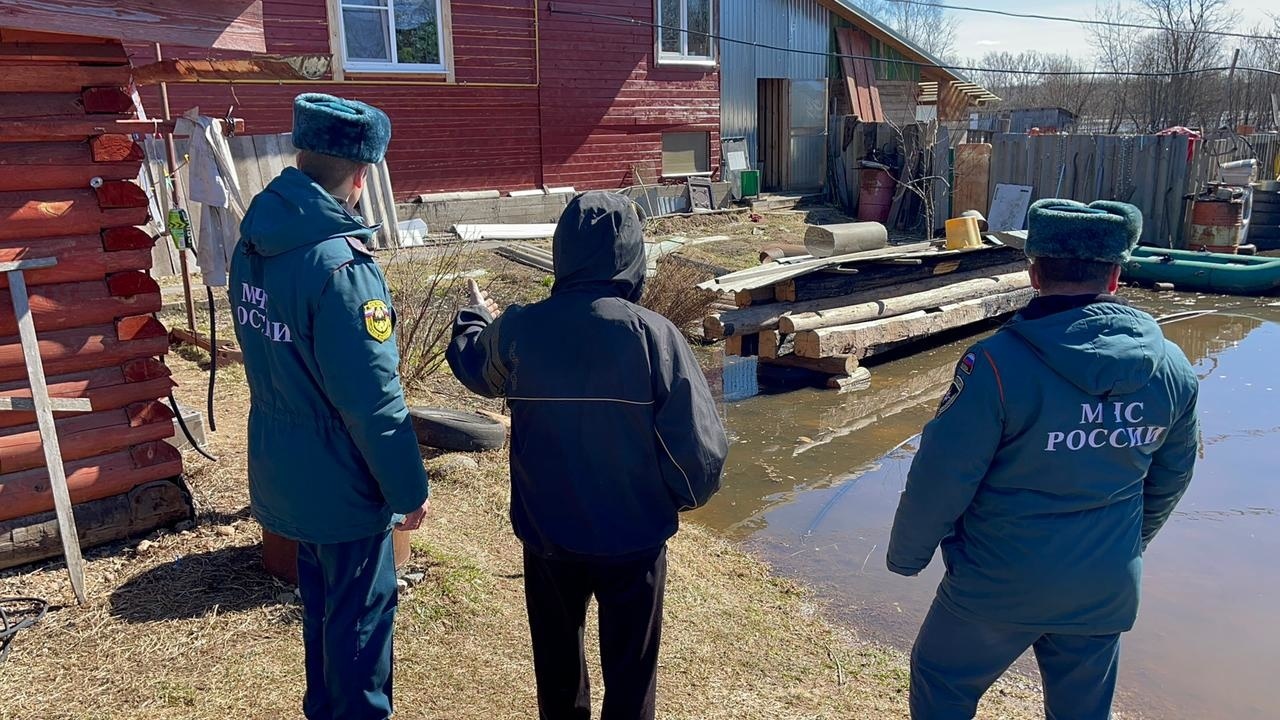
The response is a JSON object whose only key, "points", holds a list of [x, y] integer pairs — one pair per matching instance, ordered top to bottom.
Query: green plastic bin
{"points": [[749, 183]]}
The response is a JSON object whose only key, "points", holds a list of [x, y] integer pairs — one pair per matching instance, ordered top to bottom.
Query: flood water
{"points": [[814, 477]]}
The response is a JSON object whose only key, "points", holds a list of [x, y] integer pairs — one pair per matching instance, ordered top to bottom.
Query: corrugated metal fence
{"points": [[797, 24], [1153, 173]]}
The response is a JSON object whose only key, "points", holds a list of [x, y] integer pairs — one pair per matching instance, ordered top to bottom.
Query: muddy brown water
{"points": [[813, 481]]}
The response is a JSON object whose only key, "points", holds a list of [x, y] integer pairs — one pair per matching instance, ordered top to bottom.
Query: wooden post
{"points": [[171, 160], [44, 418]]}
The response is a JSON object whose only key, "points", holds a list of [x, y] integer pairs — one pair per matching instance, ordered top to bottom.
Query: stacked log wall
{"points": [[67, 191]]}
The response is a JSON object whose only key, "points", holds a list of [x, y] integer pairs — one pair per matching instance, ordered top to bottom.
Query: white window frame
{"points": [[338, 38], [683, 57]]}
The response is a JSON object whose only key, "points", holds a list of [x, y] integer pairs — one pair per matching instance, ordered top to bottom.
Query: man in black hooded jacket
{"points": [[613, 433]]}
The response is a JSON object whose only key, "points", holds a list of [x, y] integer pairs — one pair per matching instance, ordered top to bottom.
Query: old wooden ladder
{"points": [[44, 408]]}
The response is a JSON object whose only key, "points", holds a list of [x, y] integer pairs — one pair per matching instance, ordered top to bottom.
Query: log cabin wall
{"points": [[66, 191]]}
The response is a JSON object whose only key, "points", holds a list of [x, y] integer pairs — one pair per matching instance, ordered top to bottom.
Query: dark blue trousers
{"points": [[348, 616], [954, 661]]}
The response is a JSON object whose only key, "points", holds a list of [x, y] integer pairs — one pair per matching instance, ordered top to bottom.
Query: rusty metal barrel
{"points": [[1217, 223]]}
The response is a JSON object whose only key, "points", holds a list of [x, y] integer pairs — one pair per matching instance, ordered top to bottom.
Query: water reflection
{"points": [[812, 486]]}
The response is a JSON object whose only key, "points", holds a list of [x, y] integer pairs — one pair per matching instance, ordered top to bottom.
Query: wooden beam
{"points": [[217, 24], [64, 52], [300, 67], [43, 78], [114, 100], [55, 129], [120, 194], [56, 213], [80, 259], [901, 304], [72, 305], [865, 339], [68, 351], [228, 353], [839, 365], [103, 388], [21, 404], [113, 430], [27, 492], [131, 514]]}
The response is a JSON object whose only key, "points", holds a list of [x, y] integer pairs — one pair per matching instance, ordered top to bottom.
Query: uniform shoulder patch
{"points": [[359, 246], [377, 320], [967, 362], [953, 392]]}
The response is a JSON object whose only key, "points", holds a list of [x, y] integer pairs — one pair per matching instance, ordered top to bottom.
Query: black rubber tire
{"points": [[458, 431]]}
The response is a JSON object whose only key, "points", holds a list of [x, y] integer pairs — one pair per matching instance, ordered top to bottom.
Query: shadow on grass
{"points": [[197, 585]]}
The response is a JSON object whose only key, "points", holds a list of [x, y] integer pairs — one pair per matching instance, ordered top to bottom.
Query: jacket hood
{"points": [[292, 212], [599, 244], [1103, 348]]}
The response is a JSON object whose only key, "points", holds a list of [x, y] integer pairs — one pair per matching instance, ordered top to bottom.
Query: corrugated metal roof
{"points": [[773, 273]]}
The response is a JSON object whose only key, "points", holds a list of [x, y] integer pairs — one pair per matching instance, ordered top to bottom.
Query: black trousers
{"points": [[629, 594]]}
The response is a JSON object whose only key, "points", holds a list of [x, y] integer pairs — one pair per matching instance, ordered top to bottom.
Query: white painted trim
{"points": [[709, 173]]}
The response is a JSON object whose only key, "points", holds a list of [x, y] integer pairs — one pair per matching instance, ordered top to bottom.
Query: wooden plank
{"points": [[217, 24], [11, 35], [74, 128], [54, 177], [972, 178], [828, 284], [905, 303], [865, 339], [860, 379], [57, 405], [48, 435], [27, 492], [131, 514]]}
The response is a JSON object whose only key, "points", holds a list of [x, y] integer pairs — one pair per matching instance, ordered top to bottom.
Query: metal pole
{"points": [[176, 198]]}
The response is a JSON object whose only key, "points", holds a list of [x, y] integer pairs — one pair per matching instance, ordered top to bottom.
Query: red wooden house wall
{"points": [[539, 98]]}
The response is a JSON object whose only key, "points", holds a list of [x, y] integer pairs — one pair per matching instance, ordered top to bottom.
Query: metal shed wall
{"points": [[797, 24]]}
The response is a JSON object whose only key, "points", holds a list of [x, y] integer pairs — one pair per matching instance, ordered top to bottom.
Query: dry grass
{"points": [[671, 292]]}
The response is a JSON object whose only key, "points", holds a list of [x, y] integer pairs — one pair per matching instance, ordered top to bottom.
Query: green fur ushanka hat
{"points": [[342, 128], [1102, 231]]}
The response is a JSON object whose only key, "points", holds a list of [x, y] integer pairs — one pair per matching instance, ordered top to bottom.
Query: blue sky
{"points": [[981, 33]]}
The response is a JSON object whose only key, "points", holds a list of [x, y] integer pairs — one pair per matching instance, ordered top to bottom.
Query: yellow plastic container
{"points": [[962, 232]]}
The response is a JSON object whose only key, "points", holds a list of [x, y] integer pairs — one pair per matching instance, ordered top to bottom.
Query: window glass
{"points": [[669, 19], [699, 22], [417, 32], [366, 34], [686, 153]]}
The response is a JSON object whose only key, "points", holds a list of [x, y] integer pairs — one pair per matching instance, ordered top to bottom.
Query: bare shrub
{"points": [[427, 290], [672, 293]]}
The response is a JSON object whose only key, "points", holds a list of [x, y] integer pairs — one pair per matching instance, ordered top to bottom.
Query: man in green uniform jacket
{"points": [[1061, 448], [333, 459]]}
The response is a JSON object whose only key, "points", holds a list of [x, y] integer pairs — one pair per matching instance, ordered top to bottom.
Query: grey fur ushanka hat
{"points": [[341, 128], [1102, 231]]}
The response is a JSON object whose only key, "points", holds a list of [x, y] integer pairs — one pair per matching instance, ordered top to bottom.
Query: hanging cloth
{"points": [[214, 186]]}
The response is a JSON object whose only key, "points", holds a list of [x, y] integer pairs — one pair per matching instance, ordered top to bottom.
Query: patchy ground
{"points": [[186, 625]]}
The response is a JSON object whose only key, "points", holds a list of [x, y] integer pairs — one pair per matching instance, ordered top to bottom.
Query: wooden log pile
{"points": [[67, 191], [826, 317]]}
